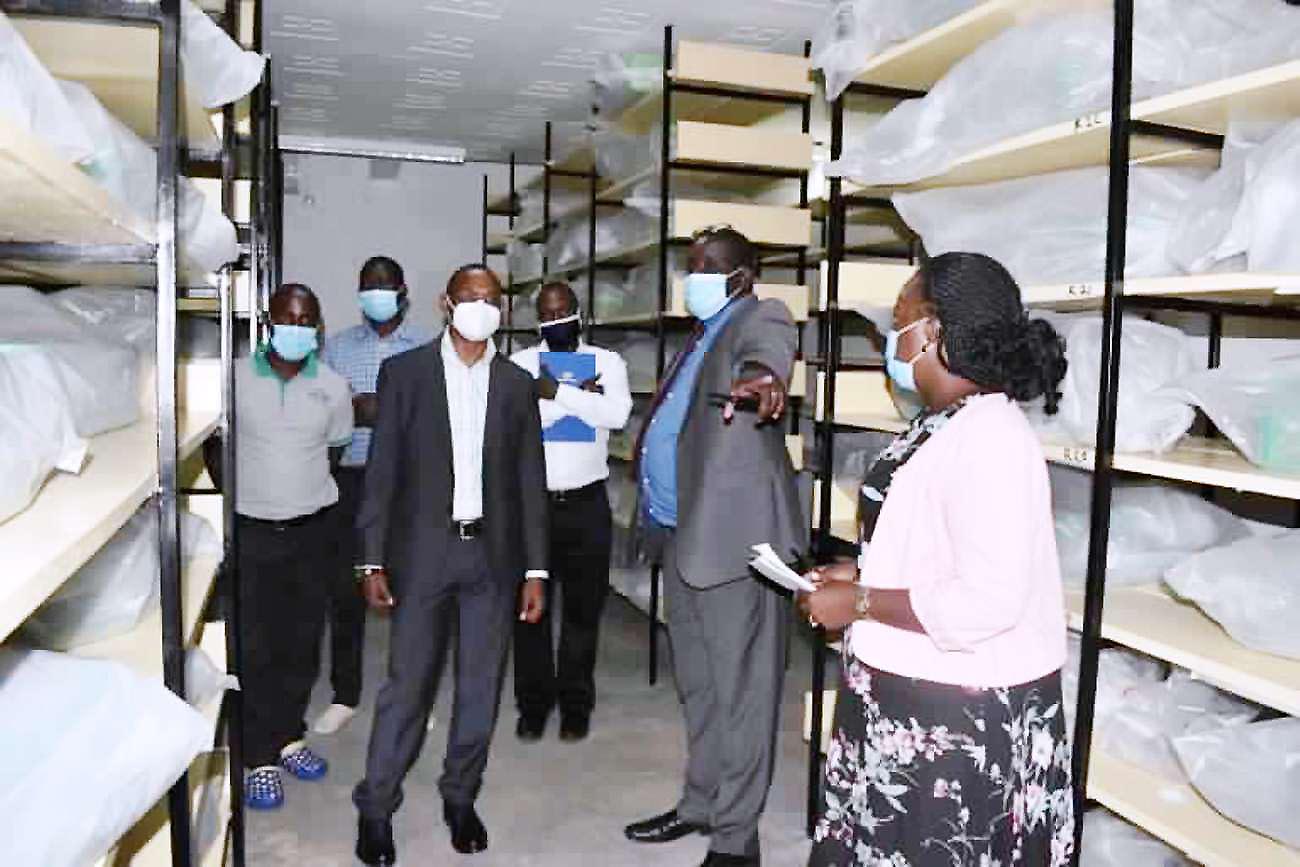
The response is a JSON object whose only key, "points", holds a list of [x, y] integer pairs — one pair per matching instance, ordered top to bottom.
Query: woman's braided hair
{"points": [[987, 335]]}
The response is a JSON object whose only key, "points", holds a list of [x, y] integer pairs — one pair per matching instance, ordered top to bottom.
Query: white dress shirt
{"points": [[467, 399], [571, 465]]}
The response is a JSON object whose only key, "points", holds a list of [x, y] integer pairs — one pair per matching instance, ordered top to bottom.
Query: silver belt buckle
{"points": [[462, 530]]}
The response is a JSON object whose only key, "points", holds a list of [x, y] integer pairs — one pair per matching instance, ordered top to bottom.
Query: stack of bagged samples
{"points": [[1058, 68], [620, 80], [66, 117], [63, 382], [121, 737], [1109, 841]]}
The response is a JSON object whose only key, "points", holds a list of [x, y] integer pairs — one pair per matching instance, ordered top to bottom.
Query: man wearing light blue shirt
{"points": [[356, 355]]}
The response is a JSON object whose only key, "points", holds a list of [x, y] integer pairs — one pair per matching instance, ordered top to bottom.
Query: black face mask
{"points": [[562, 335]]}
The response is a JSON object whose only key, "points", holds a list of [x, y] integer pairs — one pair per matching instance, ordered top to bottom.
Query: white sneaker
{"points": [[333, 718]]}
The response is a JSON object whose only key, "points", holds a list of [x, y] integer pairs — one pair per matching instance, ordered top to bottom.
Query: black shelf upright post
{"points": [[546, 202], [510, 278], [590, 311], [1108, 400], [825, 426], [169, 554], [232, 704]]}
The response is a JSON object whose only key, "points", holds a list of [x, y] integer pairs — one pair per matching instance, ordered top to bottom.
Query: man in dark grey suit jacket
{"points": [[714, 481], [453, 518]]}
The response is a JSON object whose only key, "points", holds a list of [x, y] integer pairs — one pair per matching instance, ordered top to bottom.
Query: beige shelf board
{"points": [[922, 60], [721, 65], [120, 66], [1085, 141], [718, 144], [51, 200], [762, 224], [869, 284], [1241, 285], [628, 321], [1195, 460], [73, 516], [1148, 619], [1179, 816]]}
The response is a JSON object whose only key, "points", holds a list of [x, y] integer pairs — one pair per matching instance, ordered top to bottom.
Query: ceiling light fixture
{"points": [[371, 149]]}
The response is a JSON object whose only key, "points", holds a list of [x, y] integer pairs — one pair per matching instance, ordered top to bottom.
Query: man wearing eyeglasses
{"points": [[356, 354], [715, 479]]}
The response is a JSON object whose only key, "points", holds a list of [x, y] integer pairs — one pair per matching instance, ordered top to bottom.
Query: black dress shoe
{"points": [[574, 728], [530, 729], [661, 829], [467, 832], [375, 842], [722, 859]]}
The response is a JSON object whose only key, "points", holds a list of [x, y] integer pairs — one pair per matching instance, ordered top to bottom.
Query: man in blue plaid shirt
{"points": [[356, 355]]}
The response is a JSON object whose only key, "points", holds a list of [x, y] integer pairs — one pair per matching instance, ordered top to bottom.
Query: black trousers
{"points": [[581, 533], [479, 606], [347, 607], [282, 613]]}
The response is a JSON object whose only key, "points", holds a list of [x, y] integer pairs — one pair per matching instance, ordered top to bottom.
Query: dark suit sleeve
{"points": [[769, 338], [532, 482], [375, 512]]}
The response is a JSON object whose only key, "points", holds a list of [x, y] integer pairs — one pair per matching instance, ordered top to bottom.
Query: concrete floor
{"points": [[545, 804]]}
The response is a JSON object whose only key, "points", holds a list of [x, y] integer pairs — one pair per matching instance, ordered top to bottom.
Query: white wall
{"points": [[428, 218]]}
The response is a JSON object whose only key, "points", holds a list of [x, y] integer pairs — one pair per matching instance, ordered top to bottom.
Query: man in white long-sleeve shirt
{"points": [[577, 417]]}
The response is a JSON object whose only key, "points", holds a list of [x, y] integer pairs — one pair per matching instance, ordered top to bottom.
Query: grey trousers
{"points": [[422, 626], [729, 660]]}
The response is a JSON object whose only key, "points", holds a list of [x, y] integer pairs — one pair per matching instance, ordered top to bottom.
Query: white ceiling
{"points": [[484, 74]]}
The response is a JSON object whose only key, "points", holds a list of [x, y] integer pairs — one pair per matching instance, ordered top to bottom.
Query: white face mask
{"points": [[476, 321]]}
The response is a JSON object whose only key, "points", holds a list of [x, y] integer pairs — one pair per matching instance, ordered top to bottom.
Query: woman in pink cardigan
{"points": [[949, 744]]}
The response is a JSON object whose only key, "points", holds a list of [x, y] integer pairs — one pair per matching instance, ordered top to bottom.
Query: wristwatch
{"points": [[362, 573], [862, 606]]}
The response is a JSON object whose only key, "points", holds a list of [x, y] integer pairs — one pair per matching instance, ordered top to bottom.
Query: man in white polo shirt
{"points": [[293, 418], [576, 420]]}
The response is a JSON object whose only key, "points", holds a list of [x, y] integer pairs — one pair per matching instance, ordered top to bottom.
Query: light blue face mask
{"points": [[706, 294], [380, 305], [293, 342], [902, 373]]}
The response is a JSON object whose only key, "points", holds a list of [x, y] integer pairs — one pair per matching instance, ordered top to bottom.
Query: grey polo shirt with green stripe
{"points": [[283, 432]]}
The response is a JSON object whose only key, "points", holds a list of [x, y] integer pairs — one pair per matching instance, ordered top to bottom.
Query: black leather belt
{"points": [[577, 493], [285, 523], [467, 530]]}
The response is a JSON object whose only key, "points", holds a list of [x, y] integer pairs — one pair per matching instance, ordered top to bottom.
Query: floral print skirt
{"points": [[923, 774]]}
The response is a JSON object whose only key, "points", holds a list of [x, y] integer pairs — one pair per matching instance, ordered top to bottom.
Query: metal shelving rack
{"points": [[1169, 126], [111, 494]]}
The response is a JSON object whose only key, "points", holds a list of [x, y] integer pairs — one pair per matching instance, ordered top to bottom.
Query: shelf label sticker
{"points": [[1085, 122], [1083, 290], [1078, 456]]}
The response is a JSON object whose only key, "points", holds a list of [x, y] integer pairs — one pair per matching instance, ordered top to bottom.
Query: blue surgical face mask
{"points": [[706, 294], [380, 305], [293, 342], [903, 373]]}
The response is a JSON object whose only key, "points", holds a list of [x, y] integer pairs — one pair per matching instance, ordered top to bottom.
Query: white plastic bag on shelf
{"points": [[857, 30], [213, 64], [1058, 68], [621, 79], [31, 100], [620, 155], [128, 168], [1245, 210], [1052, 228], [524, 260], [120, 314], [1152, 356], [98, 377], [1255, 406], [37, 432], [854, 453], [1153, 526], [115, 588], [1250, 588], [1119, 673], [204, 682], [1141, 729], [87, 739], [1250, 773], [1109, 841]]}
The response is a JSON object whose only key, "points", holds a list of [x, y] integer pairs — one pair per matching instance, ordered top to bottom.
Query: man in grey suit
{"points": [[716, 478], [453, 524]]}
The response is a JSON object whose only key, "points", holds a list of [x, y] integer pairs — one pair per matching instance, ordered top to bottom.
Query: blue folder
{"points": [[570, 368]]}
